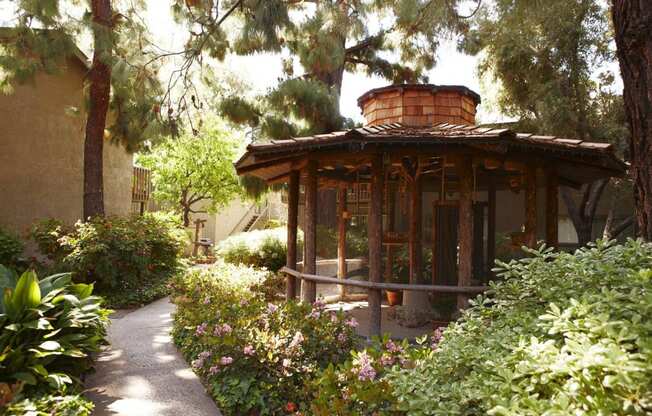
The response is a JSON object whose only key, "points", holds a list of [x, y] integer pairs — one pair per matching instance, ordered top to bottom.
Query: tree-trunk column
{"points": [[531, 206], [552, 209], [293, 217], [375, 225], [491, 226], [465, 230], [341, 236], [308, 288], [416, 301]]}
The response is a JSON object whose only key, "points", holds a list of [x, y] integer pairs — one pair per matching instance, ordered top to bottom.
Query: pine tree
{"points": [[394, 39]]}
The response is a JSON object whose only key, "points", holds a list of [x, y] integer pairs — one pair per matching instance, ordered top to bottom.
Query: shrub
{"points": [[10, 248], [259, 248], [128, 258], [49, 329], [562, 334], [255, 357]]}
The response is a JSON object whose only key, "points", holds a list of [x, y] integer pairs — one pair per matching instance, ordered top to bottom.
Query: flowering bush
{"points": [[10, 248], [259, 248], [128, 258], [255, 357], [359, 386]]}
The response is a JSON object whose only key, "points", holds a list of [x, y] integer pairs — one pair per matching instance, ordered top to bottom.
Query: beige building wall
{"points": [[41, 154]]}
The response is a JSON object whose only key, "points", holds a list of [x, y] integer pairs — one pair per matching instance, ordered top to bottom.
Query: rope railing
{"points": [[385, 286]]}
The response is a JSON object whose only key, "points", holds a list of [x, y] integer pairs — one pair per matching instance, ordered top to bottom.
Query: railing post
{"points": [[465, 173], [293, 212], [374, 227]]}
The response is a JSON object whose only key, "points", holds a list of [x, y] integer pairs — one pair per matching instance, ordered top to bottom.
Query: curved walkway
{"points": [[142, 373]]}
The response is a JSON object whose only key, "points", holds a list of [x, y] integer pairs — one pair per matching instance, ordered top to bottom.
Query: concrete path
{"points": [[142, 373]]}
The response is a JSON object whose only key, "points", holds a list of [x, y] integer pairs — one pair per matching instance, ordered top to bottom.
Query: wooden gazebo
{"points": [[423, 137]]}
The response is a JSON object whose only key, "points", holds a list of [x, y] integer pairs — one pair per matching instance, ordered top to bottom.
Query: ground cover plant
{"points": [[11, 248], [259, 248], [129, 259], [49, 328], [255, 357]]}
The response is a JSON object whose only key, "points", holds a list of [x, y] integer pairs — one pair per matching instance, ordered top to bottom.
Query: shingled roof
{"points": [[598, 155]]}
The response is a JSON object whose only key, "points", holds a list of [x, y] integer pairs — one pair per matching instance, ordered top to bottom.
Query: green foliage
{"points": [[551, 60], [195, 170], [356, 242], [10, 248], [259, 248], [128, 258], [49, 329], [559, 334], [255, 357], [52, 404]]}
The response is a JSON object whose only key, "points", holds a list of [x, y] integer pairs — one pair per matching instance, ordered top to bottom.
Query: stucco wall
{"points": [[41, 154]]}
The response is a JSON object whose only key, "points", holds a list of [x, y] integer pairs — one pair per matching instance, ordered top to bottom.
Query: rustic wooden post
{"points": [[530, 206], [552, 209], [293, 217], [491, 225], [465, 227], [374, 230], [341, 236], [414, 244], [389, 251], [309, 288]]}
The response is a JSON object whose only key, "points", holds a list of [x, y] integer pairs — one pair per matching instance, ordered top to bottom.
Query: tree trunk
{"points": [[632, 22], [98, 106], [583, 214]]}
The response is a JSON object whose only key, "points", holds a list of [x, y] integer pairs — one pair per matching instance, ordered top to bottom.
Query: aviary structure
{"points": [[423, 139]]}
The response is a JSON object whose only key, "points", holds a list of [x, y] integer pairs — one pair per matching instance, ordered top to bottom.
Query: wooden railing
{"points": [[141, 189], [466, 290]]}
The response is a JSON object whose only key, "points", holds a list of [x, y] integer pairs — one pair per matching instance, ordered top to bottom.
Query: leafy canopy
{"points": [[193, 169]]}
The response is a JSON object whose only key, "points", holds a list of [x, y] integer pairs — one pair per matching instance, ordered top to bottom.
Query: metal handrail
{"points": [[246, 216], [385, 286]]}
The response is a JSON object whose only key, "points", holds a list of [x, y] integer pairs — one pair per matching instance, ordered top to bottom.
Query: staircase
{"points": [[251, 222]]}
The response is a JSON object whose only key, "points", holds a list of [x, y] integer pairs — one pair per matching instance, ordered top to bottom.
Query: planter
{"points": [[394, 298]]}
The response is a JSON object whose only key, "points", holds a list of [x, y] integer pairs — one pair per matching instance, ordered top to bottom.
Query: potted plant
{"points": [[400, 274]]}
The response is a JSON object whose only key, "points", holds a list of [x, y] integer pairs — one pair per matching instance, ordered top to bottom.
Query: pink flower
{"points": [[207, 301], [319, 304], [271, 308], [315, 314], [333, 317], [351, 322], [201, 329], [224, 329], [342, 337], [437, 337], [296, 340], [393, 347], [248, 350], [201, 359], [226, 360], [386, 360], [286, 362], [365, 368], [214, 370]]}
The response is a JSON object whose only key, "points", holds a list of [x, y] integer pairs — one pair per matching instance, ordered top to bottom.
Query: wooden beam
{"points": [[531, 206], [552, 209], [293, 214], [391, 216], [491, 225], [414, 233], [375, 234], [341, 236], [465, 255], [308, 288]]}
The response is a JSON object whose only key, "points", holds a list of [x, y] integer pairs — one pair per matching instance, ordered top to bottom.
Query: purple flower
{"points": [[207, 301], [319, 304], [271, 308], [315, 314], [351, 322], [201, 329], [224, 329], [342, 337], [436, 337], [296, 340], [393, 347], [248, 350], [201, 358], [226, 360], [214, 370], [366, 370]]}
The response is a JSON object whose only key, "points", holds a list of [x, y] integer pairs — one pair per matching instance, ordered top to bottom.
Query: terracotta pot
{"points": [[394, 298]]}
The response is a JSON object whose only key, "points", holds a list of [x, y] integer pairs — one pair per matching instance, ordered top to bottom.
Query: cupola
{"points": [[419, 105]]}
